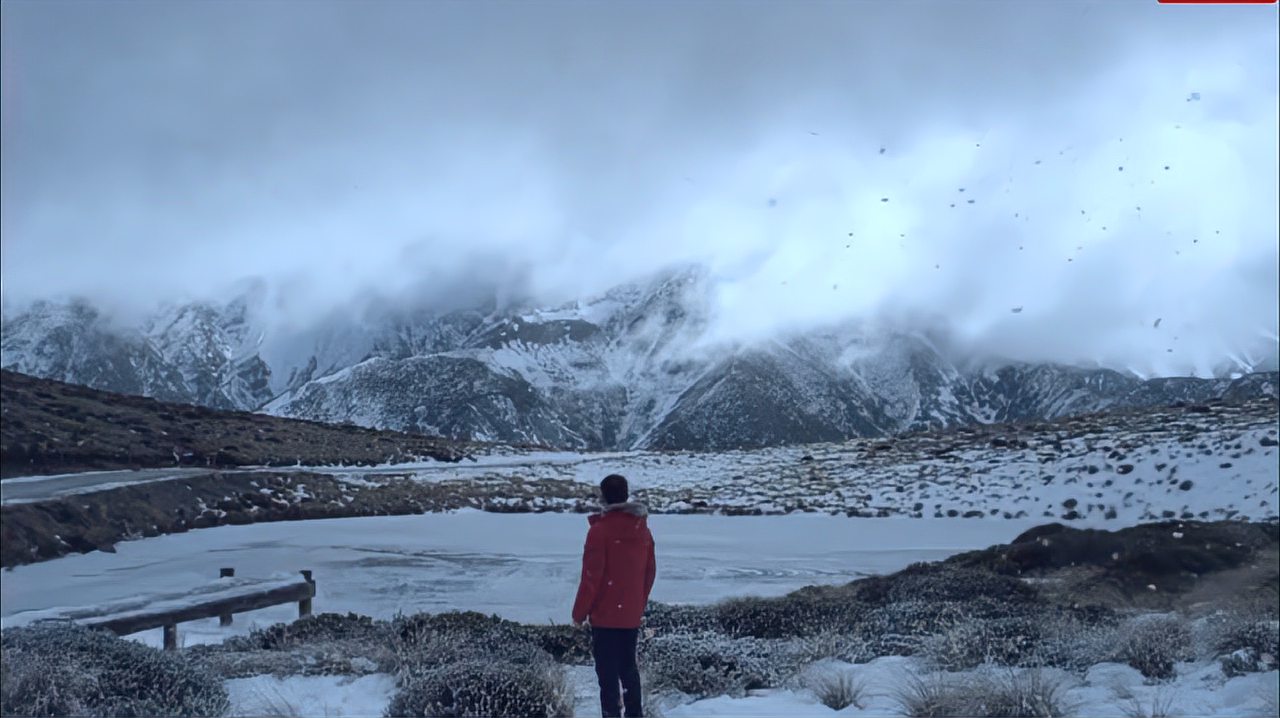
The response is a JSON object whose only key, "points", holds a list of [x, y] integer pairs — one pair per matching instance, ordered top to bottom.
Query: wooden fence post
{"points": [[304, 606], [225, 619], [170, 636]]}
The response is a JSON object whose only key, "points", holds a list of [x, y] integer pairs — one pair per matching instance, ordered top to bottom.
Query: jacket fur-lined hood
{"points": [[628, 507]]}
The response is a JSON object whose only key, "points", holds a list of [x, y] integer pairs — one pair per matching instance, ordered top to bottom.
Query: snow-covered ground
{"points": [[1121, 468], [521, 566], [525, 566], [1107, 689]]}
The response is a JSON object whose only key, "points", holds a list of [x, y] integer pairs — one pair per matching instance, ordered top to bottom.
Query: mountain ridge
{"points": [[628, 369]]}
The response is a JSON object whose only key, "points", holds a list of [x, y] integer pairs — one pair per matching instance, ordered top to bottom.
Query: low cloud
{"points": [[1046, 180]]}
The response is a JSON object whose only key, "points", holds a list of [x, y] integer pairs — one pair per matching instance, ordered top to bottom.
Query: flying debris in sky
{"points": [[1193, 97], [881, 150], [884, 199], [1016, 310], [1157, 324]]}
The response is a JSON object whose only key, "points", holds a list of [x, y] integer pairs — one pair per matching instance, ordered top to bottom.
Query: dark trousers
{"points": [[615, 653]]}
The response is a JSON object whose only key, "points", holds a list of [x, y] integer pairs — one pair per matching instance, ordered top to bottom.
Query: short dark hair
{"points": [[613, 489]]}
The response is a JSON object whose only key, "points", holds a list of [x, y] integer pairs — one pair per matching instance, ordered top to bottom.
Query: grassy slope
{"points": [[49, 427]]}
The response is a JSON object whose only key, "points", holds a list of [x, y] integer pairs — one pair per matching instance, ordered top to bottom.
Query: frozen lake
{"points": [[520, 566]]}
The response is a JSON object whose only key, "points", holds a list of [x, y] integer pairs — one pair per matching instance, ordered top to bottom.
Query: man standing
{"points": [[618, 569]]}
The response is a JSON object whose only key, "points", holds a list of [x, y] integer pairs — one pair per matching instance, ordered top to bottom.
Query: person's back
{"points": [[618, 570]]}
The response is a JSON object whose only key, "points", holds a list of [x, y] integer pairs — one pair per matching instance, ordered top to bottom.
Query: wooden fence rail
{"points": [[168, 611]]}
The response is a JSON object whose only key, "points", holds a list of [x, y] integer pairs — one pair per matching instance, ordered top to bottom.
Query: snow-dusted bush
{"points": [[944, 583], [786, 617], [675, 618], [460, 624], [902, 628], [313, 629], [1243, 640], [1003, 641], [423, 642], [1154, 643], [324, 644], [566, 644], [1076, 645], [852, 649], [430, 652], [711, 664], [65, 669], [40, 686], [485, 688], [837, 689], [1033, 692], [937, 694], [1003, 694]]}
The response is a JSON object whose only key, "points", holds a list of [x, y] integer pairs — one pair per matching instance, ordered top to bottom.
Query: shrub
{"points": [[943, 583], [786, 617], [669, 618], [467, 625], [903, 628], [312, 629], [1240, 638], [1005, 641], [424, 642], [1154, 643], [324, 644], [566, 644], [1075, 645], [851, 649], [439, 650], [711, 664], [66, 669], [485, 688], [838, 689], [1032, 693], [936, 694], [1011, 694]]}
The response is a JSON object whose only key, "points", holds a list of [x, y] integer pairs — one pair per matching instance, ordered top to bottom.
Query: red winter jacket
{"points": [[618, 568]]}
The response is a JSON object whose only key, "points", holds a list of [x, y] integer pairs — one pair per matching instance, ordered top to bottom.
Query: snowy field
{"points": [[521, 566], [525, 567], [1107, 689]]}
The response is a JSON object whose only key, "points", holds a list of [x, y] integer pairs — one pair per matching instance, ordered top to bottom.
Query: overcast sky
{"points": [[812, 154]]}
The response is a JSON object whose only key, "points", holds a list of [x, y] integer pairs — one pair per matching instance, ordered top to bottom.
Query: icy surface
{"points": [[523, 567]]}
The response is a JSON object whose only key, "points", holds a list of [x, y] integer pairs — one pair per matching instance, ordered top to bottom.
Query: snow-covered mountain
{"points": [[195, 353], [628, 369]]}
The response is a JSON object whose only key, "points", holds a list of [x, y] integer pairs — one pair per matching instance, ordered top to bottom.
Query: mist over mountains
{"points": [[633, 367]]}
